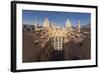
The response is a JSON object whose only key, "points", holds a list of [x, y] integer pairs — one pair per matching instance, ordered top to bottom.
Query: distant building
{"points": [[28, 28]]}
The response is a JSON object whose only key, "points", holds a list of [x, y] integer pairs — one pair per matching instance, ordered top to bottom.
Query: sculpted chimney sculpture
{"points": [[46, 23], [68, 24], [78, 26]]}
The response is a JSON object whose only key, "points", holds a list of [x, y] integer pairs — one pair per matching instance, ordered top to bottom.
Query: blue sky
{"points": [[28, 17]]}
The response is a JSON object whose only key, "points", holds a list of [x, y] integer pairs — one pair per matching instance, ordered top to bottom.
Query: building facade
{"points": [[58, 35]]}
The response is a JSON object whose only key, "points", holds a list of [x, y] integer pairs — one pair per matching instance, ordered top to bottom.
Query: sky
{"points": [[28, 17]]}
